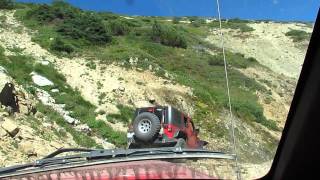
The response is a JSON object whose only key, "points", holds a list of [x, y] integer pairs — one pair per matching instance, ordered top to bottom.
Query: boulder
{"points": [[45, 63], [40, 80], [122, 89], [55, 90], [151, 99], [23, 109], [112, 109], [3, 114], [70, 120], [47, 125], [10, 126], [83, 128], [3, 132], [27, 148]]}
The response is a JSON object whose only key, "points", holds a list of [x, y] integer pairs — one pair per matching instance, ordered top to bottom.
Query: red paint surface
{"points": [[150, 169]]}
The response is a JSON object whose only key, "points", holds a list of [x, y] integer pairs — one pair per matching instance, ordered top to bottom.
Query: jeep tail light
{"points": [[150, 110]]}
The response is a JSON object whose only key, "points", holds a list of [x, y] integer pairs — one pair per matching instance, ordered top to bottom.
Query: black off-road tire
{"points": [[146, 126]]}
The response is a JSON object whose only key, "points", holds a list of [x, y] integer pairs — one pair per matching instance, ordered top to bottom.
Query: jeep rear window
{"points": [[176, 117]]}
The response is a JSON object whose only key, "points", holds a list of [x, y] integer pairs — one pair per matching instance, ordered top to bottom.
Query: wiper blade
{"points": [[64, 150], [149, 151], [103, 154], [50, 159]]}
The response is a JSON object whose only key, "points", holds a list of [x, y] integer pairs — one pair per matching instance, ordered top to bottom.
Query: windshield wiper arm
{"points": [[64, 150], [143, 152], [50, 159]]}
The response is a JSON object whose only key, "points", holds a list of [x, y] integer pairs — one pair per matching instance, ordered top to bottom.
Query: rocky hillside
{"points": [[84, 84]]}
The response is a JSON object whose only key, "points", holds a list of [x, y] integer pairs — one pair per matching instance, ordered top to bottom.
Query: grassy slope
{"points": [[192, 66], [19, 67]]}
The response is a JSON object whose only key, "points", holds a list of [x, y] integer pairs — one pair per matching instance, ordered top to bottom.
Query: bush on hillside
{"points": [[6, 4], [58, 11], [193, 18], [176, 20], [72, 22], [198, 22], [242, 25], [85, 26], [118, 28], [298, 35], [168, 36], [61, 46], [216, 60]]}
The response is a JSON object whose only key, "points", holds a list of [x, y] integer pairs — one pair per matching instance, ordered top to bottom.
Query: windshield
{"points": [[210, 74]]}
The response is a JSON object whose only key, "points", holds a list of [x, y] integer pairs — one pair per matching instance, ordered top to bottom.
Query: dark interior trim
{"points": [[297, 153]]}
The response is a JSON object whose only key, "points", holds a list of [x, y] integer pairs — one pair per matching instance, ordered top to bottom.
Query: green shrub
{"points": [[6, 4], [59, 10], [108, 16], [193, 18], [176, 20], [71, 22], [198, 22], [242, 25], [85, 26], [118, 28], [298, 35], [168, 36], [61, 46], [235, 59], [216, 61], [252, 112], [126, 114], [79, 137]]}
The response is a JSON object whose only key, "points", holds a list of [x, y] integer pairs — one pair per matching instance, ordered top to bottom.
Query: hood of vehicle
{"points": [[149, 169]]}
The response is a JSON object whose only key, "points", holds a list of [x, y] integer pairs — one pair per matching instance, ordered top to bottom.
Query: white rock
{"points": [[45, 63], [3, 70], [40, 80], [122, 89], [55, 90], [44, 97], [112, 109], [3, 114], [70, 119], [47, 125], [10, 126], [83, 128], [2, 132], [27, 148]]}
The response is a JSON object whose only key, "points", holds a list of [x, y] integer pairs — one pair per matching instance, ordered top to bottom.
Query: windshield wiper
{"points": [[150, 152], [105, 154]]}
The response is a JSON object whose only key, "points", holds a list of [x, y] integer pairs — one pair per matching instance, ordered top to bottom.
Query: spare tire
{"points": [[146, 126]]}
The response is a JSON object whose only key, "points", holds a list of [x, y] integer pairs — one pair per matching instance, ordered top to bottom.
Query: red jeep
{"points": [[162, 126]]}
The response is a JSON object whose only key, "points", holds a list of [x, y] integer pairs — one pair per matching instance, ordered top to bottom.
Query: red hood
{"points": [[150, 169]]}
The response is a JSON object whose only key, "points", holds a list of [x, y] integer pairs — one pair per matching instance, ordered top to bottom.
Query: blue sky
{"points": [[287, 10]]}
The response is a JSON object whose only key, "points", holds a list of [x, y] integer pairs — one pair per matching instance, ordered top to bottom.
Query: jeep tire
{"points": [[146, 126]]}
